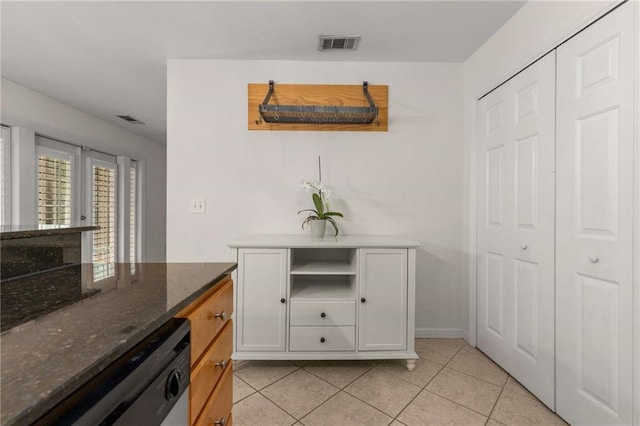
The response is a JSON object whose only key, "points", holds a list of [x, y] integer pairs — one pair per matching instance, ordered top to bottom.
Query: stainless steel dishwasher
{"points": [[148, 385]]}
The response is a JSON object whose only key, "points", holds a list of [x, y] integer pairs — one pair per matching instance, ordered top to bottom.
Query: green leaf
{"points": [[318, 203], [308, 210], [333, 214], [333, 223]]}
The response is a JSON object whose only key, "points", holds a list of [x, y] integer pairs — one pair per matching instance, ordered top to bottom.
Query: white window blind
{"points": [[5, 176], [55, 191], [104, 215], [133, 215]]}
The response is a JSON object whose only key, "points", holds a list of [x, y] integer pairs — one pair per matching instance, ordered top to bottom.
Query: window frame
{"points": [[64, 151], [91, 159], [6, 189], [135, 250]]}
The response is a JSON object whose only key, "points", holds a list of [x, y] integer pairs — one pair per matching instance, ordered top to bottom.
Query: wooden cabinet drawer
{"points": [[323, 312], [208, 317], [336, 338], [206, 373], [218, 407]]}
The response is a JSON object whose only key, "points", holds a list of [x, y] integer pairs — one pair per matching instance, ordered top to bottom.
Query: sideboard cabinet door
{"points": [[261, 298], [382, 299]]}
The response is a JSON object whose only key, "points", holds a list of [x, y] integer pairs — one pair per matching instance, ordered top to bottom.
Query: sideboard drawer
{"points": [[323, 312], [208, 318], [336, 338], [205, 374], [218, 407]]}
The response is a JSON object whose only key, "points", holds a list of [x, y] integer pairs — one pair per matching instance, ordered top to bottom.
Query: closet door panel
{"points": [[494, 215], [516, 227], [532, 236], [594, 289]]}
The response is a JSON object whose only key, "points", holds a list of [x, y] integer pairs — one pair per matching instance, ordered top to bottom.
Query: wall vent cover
{"points": [[339, 42], [130, 119]]}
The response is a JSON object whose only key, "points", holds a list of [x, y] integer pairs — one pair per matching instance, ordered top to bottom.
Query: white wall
{"points": [[536, 28], [32, 111], [408, 181], [636, 327]]}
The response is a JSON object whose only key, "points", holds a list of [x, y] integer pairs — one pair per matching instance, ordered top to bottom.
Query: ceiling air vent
{"points": [[339, 42], [130, 119]]}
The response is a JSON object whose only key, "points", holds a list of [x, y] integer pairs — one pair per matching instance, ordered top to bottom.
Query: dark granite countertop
{"points": [[8, 232], [44, 360]]}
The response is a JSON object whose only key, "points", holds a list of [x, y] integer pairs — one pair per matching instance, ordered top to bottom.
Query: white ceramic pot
{"points": [[317, 228]]}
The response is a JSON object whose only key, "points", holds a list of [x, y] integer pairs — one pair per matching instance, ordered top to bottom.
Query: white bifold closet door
{"points": [[515, 241], [594, 289]]}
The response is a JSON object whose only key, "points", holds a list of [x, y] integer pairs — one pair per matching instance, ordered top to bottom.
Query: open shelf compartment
{"points": [[323, 261], [327, 287]]}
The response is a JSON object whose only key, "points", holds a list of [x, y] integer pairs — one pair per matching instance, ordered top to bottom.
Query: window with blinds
{"points": [[5, 176], [81, 186], [54, 190], [133, 215], [104, 216]]}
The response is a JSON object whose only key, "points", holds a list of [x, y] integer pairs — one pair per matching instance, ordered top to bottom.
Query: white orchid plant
{"points": [[320, 196]]}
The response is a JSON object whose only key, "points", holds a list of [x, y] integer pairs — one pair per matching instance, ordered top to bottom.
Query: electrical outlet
{"points": [[198, 205]]}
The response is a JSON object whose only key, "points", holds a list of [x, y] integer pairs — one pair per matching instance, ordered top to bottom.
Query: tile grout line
{"points": [[371, 367], [471, 375], [401, 378], [478, 378], [275, 381], [427, 384], [342, 388], [258, 391], [252, 393], [454, 402], [457, 403], [496, 403], [318, 406], [372, 406], [464, 406], [282, 408], [292, 416]]}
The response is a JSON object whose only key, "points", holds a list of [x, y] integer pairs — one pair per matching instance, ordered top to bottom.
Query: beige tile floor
{"points": [[453, 384]]}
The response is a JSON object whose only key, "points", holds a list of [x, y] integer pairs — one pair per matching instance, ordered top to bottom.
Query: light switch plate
{"points": [[198, 205]]}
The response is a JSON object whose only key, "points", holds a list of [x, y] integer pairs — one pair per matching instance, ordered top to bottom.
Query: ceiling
{"points": [[109, 58]]}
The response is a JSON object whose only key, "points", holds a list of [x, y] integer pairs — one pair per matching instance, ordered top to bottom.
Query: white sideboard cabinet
{"points": [[350, 297]]}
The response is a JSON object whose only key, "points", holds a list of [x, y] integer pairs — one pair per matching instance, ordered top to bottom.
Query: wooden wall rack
{"points": [[318, 107]]}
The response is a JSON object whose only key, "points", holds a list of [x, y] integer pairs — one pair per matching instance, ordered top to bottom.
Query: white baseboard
{"points": [[443, 333]]}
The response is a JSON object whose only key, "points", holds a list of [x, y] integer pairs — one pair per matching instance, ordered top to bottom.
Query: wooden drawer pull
{"points": [[222, 315], [222, 364], [221, 422]]}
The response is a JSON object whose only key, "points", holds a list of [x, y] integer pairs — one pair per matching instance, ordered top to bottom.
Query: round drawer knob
{"points": [[523, 247], [593, 259], [282, 300], [363, 300], [323, 315], [322, 340]]}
